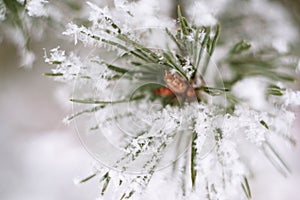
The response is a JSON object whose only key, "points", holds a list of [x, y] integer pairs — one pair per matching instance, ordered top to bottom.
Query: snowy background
{"points": [[40, 157]]}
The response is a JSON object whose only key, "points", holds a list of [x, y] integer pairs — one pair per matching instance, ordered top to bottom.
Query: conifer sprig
{"points": [[182, 71]]}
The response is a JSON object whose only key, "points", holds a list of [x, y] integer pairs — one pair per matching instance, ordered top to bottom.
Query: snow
{"points": [[36, 8], [2, 10], [201, 14], [252, 91], [291, 98], [44, 159]]}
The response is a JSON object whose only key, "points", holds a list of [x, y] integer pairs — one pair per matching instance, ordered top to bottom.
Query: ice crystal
{"points": [[68, 66], [291, 98]]}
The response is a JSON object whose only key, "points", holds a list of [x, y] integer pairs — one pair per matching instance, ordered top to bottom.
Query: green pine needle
{"points": [[240, 47], [91, 101], [88, 178]]}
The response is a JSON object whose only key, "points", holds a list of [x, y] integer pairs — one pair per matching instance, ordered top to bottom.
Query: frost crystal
{"points": [[68, 66], [291, 98]]}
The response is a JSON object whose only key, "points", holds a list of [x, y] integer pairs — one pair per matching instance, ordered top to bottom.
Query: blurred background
{"points": [[40, 156]]}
